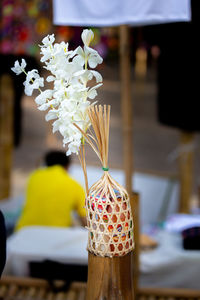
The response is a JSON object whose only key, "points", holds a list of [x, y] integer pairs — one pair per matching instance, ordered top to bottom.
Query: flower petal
{"points": [[87, 36]]}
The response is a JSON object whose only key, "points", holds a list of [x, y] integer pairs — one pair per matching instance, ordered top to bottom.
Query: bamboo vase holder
{"points": [[109, 216], [109, 222], [110, 278]]}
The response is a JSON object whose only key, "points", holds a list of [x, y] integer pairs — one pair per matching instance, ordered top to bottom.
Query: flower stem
{"points": [[81, 156], [85, 172]]}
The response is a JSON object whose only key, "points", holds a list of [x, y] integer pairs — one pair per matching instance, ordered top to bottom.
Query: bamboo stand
{"points": [[126, 105], [6, 134], [110, 278]]}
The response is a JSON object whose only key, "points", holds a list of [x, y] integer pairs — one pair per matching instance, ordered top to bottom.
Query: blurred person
{"points": [[52, 195], [2, 243]]}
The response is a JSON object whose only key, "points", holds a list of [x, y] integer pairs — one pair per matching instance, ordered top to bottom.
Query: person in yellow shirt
{"points": [[52, 195]]}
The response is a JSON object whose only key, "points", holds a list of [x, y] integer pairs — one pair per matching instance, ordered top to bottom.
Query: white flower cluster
{"points": [[70, 97]]}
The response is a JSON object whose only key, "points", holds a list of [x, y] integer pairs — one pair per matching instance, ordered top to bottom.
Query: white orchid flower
{"points": [[87, 36], [48, 40], [46, 48], [46, 54], [87, 55], [94, 58], [18, 69], [86, 75], [97, 76], [50, 78], [33, 81], [92, 93], [70, 96], [43, 97], [44, 106], [51, 115], [56, 125], [73, 147]]}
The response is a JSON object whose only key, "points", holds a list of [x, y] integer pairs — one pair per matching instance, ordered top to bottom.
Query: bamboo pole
{"points": [[126, 105], [6, 133], [186, 163], [134, 201], [110, 278]]}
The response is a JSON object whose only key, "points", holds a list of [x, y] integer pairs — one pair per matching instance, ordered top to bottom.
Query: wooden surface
{"points": [[126, 105], [6, 134], [186, 164], [110, 278], [38, 289], [170, 294]]}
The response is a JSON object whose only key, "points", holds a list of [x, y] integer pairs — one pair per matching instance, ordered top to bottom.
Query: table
{"points": [[36, 243], [167, 266]]}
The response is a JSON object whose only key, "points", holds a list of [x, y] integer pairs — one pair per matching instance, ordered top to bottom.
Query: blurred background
{"points": [[164, 64]]}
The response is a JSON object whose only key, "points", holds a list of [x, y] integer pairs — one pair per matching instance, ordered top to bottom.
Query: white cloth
{"points": [[117, 12], [179, 222], [37, 243], [169, 265]]}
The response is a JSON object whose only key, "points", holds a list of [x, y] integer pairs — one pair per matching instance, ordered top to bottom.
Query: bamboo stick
{"points": [[126, 105], [6, 134], [186, 165], [134, 200]]}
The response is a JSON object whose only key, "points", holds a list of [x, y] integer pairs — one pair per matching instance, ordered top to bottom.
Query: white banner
{"points": [[117, 12]]}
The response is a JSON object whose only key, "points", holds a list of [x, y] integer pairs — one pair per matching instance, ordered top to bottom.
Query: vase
{"points": [[109, 224], [110, 278]]}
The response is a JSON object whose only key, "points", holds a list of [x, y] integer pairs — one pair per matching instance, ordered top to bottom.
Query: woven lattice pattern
{"points": [[109, 219]]}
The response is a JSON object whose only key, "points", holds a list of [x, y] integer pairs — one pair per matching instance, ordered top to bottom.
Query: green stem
{"points": [[86, 60], [81, 156]]}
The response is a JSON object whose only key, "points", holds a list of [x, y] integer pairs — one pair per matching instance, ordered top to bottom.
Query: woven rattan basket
{"points": [[109, 217]]}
